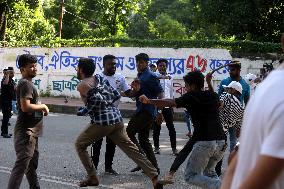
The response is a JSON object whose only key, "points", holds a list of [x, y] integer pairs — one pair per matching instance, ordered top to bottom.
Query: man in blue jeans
{"points": [[210, 139]]}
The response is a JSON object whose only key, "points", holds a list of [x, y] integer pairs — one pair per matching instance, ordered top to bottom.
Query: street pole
{"points": [[61, 17]]}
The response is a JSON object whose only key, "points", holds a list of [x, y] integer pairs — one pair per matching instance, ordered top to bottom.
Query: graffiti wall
{"points": [[56, 66]]}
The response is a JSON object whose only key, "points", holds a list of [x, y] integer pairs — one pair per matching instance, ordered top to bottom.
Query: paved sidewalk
{"points": [[71, 105]]}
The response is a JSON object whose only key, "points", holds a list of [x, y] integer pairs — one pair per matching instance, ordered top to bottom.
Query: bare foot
{"points": [[90, 181]]}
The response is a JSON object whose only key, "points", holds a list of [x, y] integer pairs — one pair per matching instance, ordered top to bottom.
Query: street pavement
{"points": [[59, 165]]}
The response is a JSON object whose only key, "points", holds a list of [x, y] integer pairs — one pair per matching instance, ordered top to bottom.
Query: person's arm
{"points": [[208, 81], [83, 90], [246, 96], [158, 102], [26, 106], [265, 172], [228, 178]]}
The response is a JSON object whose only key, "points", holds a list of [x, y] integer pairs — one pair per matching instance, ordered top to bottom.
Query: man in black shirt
{"points": [[7, 94], [209, 137]]}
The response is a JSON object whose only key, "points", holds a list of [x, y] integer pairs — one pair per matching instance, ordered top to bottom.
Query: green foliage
{"points": [[25, 24], [139, 27], [168, 28], [233, 46]]}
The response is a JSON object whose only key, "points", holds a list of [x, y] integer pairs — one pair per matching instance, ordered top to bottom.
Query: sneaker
{"points": [[157, 151], [175, 152], [111, 171], [168, 179]]}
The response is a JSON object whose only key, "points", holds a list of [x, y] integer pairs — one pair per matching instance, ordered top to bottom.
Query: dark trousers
{"points": [[6, 110], [168, 116], [141, 123], [26, 148], [110, 150], [182, 155]]}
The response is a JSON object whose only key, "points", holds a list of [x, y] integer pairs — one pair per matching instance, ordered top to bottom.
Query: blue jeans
{"points": [[14, 107], [187, 120], [233, 138], [200, 169]]}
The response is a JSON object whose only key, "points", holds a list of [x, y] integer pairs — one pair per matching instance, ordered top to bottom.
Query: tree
{"points": [[139, 27], [168, 28]]}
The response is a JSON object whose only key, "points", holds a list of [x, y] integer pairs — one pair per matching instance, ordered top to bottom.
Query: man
{"points": [[153, 68], [235, 71], [117, 81], [8, 87], [167, 112], [106, 120], [141, 122], [28, 126], [209, 137], [260, 159]]}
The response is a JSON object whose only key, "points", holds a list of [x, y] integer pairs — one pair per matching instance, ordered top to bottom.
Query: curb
{"points": [[126, 113]]}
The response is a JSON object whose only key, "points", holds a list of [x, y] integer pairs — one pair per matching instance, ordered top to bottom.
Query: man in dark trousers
{"points": [[7, 94], [141, 122]]}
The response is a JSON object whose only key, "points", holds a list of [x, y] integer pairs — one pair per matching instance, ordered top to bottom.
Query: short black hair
{"points": [[142, 56], [107, 57], [26, 59], [162, 60], [235, 64], [87, 65], [152, 65], [196, 78]]}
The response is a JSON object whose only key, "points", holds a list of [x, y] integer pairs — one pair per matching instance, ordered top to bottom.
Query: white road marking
{"points": [[56, 180]]}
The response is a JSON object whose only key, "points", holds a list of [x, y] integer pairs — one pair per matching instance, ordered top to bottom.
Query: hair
{"points": [[142, 56], [108, 57], [26, 59], [162, 60], [235, 64], [152, 65], [87, 66], [194, 78]]}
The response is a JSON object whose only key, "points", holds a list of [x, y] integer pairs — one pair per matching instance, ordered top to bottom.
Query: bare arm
{"points": [[83, 90], [26, 106], [265, 172], [227, 180]]}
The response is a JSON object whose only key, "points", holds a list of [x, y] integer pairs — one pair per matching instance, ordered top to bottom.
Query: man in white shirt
{"points": [[117, 81], [167, 112], [260, 159]]}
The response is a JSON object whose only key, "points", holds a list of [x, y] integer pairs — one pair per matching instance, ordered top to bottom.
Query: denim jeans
{"points": [[233, 138], [200, 169]]}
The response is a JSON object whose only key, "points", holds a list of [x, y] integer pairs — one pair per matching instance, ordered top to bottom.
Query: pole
{"points": [[61, 17]]}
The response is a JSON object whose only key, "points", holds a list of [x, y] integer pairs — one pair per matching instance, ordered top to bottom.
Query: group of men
{"points": [[101, 94]]}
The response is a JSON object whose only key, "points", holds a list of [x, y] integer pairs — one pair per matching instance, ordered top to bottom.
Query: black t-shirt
{"points": [[8, 91], [203, 109]]}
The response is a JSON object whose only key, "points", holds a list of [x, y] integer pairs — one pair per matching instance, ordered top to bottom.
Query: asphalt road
{"points": [[59, 165]]}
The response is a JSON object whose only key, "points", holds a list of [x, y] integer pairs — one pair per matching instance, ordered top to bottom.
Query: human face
{"points": [[141, 65], [110, 67], [162, 68], [29, 71], [234, 72], [79, 75]]}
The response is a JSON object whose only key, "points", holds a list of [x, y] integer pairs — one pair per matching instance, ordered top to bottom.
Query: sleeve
{"points": [[124, 85], [155, 85], [221, 88], [26, 90], [183, 101], [273, 144]]}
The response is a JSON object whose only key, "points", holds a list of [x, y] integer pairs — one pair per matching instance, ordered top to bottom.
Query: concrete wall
{"points": [[57, 75]]}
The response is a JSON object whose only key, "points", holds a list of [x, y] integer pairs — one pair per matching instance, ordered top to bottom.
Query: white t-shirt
{"points": [[117, 81], [263, 128]]}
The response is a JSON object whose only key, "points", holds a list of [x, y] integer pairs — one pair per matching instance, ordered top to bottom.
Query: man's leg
{"points": [[6, 116], [168, 116], [133, 128], [91, 134], [156, 135], [233, 138], [25, 147], [96, 150], [131, 150], [109, 155], [198, 161], [31, 172]]}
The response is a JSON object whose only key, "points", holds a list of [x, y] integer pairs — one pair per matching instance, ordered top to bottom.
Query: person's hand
{"points": [[168, 77], [209, 77], [135, 85], [122, 94], [144, 99], [45, 110], [159, 119]]}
